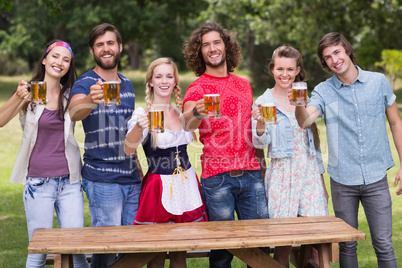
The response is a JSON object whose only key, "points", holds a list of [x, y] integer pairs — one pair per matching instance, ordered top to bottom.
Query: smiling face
{"points": [[213, 50], [106, 51], [337, 59], [57, 62], [285, 71], [163, 81]]}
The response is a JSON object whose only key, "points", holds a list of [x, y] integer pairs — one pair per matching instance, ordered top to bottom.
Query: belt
{"points": [[235, 173]]}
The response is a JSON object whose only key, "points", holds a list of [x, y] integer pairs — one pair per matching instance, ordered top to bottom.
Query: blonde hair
{"points": [[149, 91]]}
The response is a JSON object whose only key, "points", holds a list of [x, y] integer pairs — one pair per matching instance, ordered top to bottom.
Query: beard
{"points": [[218, 64], [215, 65], [107, 66]]}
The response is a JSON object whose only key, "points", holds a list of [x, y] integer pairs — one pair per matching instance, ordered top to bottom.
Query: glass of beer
{"points": [[111, 90], [38, 92], [299, 93], [212, 106], [269, 113], [156, 121]]}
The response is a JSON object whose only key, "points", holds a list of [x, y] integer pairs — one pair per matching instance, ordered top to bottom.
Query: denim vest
{"points": [[279, 138]]}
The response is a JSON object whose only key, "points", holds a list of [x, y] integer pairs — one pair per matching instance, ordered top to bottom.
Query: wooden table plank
{"points": [[194, 236]]}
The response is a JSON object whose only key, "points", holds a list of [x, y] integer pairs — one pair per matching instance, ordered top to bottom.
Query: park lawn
{"points": [[13, 230]]}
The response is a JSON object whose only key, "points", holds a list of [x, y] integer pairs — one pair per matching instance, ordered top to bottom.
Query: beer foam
{"points": [[299, 85], [268, 104]]}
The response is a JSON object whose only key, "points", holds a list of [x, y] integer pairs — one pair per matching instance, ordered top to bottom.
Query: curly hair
{"points": [[334, 39], [192, 48], [287, 51], [149, 91]]}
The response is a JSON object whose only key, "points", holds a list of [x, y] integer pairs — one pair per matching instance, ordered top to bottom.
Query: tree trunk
{"points": [[250, 47], [134, 50]]}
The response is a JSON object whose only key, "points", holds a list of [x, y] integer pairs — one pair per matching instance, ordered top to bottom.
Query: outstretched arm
{"points": [[14, 105], [81, 105], [193, 112], [305, 115], [395, 124], [134, 137]]}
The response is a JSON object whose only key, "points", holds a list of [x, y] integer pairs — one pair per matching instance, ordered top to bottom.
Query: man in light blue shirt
{"points": [[354, 103]]}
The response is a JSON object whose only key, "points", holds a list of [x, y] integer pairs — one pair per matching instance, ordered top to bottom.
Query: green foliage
{"points": [[6, 4], [32, 24], [369, 27], [155, 28], [392, 63], [12, 66]]}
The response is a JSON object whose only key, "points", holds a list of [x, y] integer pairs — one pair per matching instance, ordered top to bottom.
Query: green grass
{"points": [[13, 230]]}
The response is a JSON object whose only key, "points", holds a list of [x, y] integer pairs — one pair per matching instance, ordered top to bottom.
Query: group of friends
{"points": [[235, 179]]}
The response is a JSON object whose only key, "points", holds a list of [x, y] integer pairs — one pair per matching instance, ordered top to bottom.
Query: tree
{"points": [[146, 25], [370, 26], [392, 64]]}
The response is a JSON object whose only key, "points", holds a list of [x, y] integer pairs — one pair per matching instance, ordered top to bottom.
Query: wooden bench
{"points": [[241, 238], [52, 259], [55, 259]]}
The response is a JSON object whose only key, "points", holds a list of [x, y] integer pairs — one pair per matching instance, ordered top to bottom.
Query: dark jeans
{"points": [[223, 195], [376, 201]]}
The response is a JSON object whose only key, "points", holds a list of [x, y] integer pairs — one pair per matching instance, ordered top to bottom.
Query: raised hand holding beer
{"points": [[22, 91], [38, 91], [111, 91], [96, 93], [299, 93], [212, 106], [256, 113], [265, 113], [269, 113], [143, 121], [156, 121]]}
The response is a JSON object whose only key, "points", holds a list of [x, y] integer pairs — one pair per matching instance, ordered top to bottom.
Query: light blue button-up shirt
{"points": [[358, 145]]}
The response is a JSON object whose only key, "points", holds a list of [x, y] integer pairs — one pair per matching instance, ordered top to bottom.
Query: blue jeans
{"points": [[44, 195], [223, 195], [376, 201], [110, 204]]}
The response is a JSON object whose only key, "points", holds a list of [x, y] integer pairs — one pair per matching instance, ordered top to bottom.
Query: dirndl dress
{"points": [[171, 192]]}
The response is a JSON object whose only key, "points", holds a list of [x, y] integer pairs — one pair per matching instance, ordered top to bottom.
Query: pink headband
{"points": [[60, 44]]}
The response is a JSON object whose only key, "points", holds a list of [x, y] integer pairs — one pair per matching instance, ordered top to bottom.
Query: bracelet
{"points": [[196, 114]]}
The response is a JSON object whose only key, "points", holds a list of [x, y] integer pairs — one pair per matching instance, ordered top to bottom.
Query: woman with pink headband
{"points": [[49, 161]]}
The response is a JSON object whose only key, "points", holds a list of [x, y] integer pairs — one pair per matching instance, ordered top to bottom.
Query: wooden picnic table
{"points": [[241, 238]]}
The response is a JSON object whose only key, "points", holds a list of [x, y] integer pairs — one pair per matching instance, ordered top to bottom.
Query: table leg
{"points": [[323, 254], [334, 254], [305, 255], [255, 258], [135, 260], [63, 261]]}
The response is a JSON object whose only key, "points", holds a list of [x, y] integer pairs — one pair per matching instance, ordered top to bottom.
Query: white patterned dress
{"points": [[293, 184]]}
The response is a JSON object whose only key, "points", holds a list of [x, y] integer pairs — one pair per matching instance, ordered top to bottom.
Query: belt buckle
{"points": [[236, 173]]}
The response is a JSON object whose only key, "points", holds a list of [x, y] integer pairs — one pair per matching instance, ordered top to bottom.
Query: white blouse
{"points": [[179, 194]]}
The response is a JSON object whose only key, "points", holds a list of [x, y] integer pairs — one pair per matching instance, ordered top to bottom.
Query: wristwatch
{"points": [[196, 114]]}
